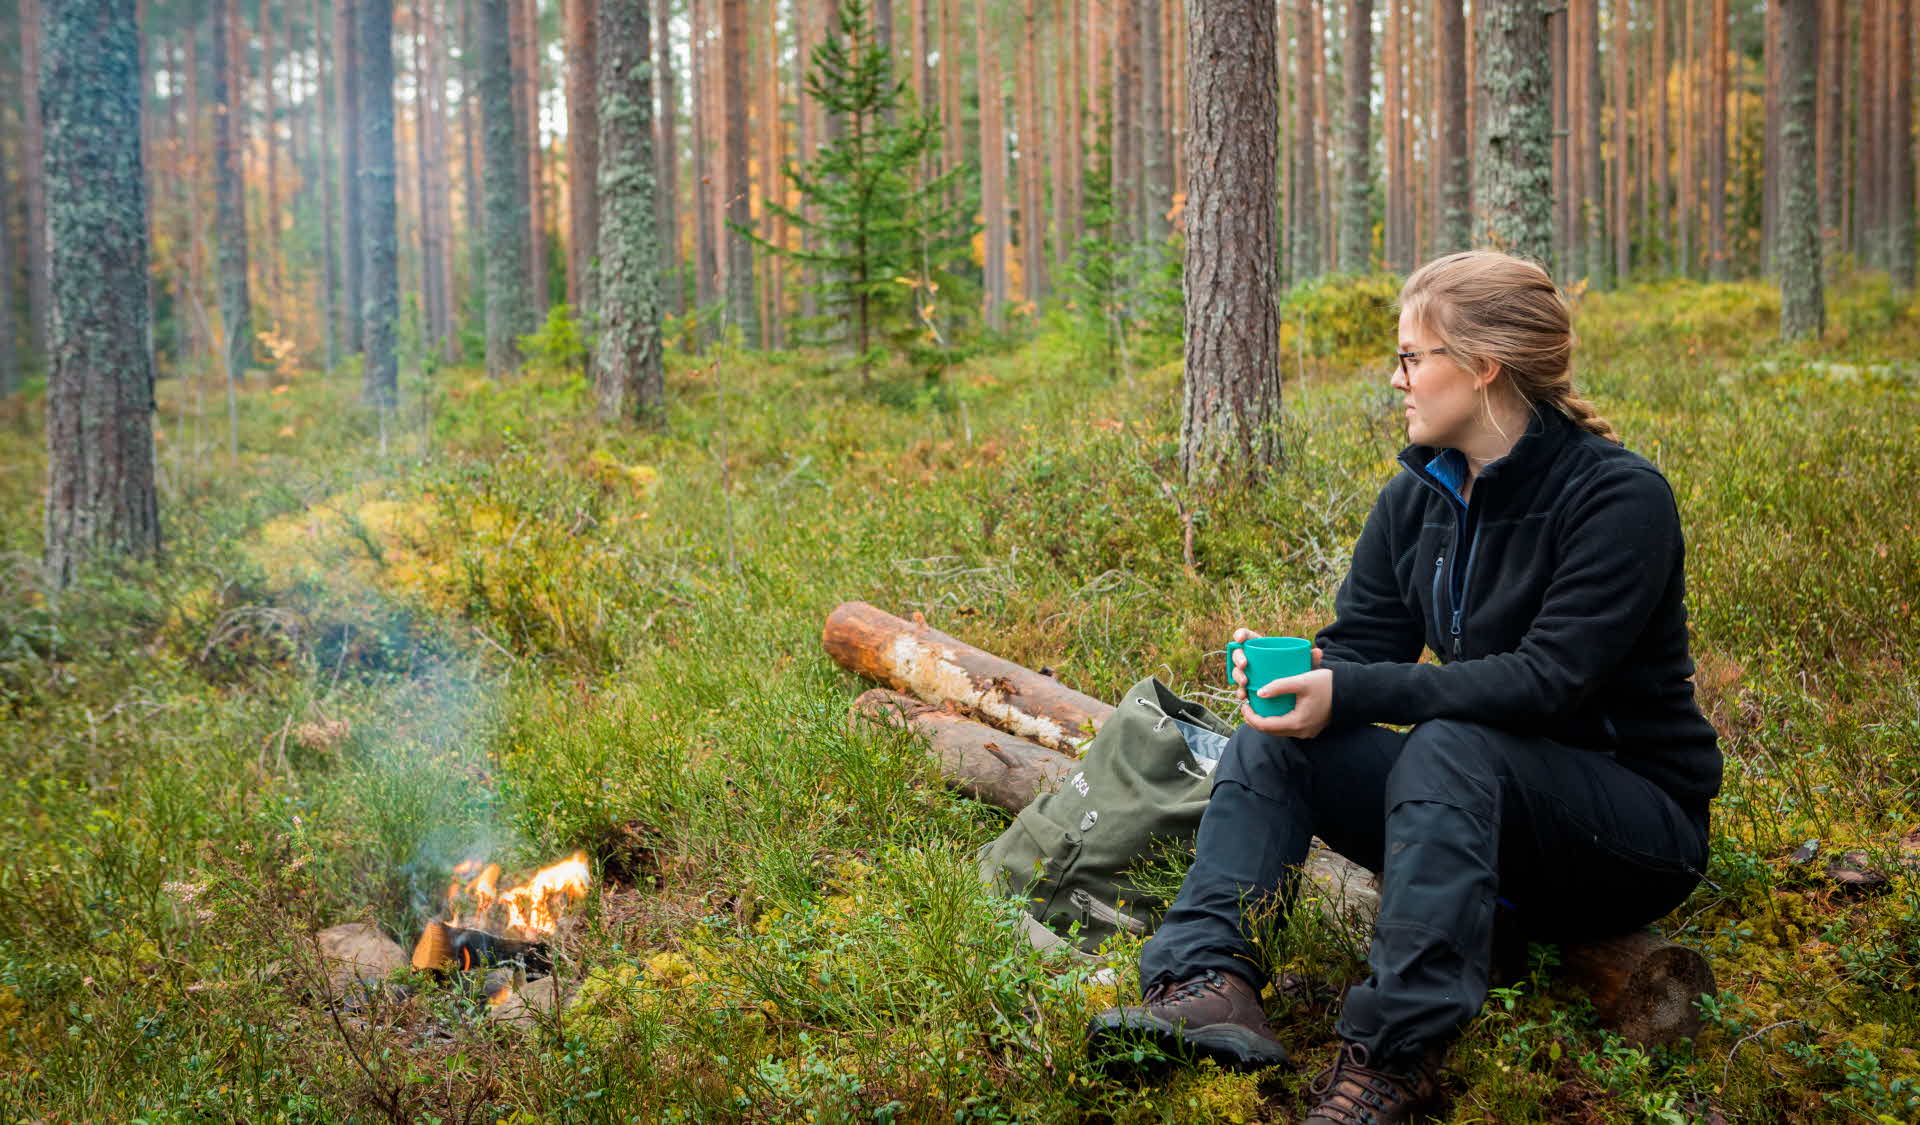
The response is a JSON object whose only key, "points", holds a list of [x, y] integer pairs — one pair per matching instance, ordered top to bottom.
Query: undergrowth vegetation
{"points": [[491, 627]]}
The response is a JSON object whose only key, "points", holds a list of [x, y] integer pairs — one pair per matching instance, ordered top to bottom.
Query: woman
{"points": [[1556, 764]]}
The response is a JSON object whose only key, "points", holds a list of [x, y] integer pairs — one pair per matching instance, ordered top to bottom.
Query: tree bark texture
{"points": [[1122, 120], [1829, 137], [1513, 138], [229, 142], [583, 148], [378, 181], [1456, 183], [1663, 188], [1356, 214], [739, 215], [1033, 223], [1622, 246], [1803, 309], [508, 311], [627, 372], [1230, 426], [100, 465], [912, 656], [982, 762]]}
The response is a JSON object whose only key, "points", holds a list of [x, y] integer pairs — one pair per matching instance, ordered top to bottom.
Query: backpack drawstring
{"points": [[1155, 708]]}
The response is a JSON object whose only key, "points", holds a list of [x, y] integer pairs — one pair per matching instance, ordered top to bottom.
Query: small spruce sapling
{"points": [[874, 218]]}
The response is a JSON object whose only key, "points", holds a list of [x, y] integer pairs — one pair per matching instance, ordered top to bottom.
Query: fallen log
{"points": [[915, 658], [986, 764], [1642, 986]]}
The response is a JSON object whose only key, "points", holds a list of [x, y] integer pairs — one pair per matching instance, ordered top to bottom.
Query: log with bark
{"points": [[912, 657], [1642, 985]]}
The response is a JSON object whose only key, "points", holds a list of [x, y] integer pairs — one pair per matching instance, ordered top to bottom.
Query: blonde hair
{"points": [[1493, 309]]}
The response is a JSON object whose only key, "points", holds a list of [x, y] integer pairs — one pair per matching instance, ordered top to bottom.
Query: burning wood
{"points": [[487, 926]]}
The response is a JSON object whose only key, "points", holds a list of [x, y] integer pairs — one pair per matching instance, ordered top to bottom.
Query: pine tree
{"points": [[1513, 137], [229, 142], [378, 180], [1356, 213], [876, 224], [1802, 306], [508, 311], [627, 372], [1231, 411], [100, 479]]}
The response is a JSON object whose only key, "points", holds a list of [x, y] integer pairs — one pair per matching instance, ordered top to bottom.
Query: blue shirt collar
{"points": [[1450, 469]]}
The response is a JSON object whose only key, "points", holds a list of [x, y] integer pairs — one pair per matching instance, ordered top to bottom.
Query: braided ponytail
{"points": [[1493, 309]]}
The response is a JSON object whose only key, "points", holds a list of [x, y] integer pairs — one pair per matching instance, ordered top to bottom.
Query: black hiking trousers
{"points": [[1456, 818]]}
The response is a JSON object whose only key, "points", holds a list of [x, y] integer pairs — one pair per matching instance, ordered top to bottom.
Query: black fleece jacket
{"points": [[1554, 599]]}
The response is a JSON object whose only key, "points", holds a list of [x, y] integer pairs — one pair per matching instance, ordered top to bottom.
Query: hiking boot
{"points": [[1215, 1015], [1353, 1091]]}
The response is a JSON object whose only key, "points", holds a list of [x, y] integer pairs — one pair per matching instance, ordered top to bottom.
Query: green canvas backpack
{"points": [[1142, 784]]}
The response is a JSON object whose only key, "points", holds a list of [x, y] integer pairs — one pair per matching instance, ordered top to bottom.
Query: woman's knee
{"points": [[1450, 761], [1270, 765]]}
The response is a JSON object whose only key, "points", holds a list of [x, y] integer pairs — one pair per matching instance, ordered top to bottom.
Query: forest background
{"points": [[490, 513]]}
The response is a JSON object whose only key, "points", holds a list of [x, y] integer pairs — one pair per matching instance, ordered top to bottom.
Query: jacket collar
{"points": [[1547, 431]]}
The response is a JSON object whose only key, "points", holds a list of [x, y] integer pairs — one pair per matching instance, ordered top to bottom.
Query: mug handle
{"points": [[1231, 646]]}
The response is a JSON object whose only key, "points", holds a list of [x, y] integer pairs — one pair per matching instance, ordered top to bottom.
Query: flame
{"points": [[534, 906], [499, 995]]}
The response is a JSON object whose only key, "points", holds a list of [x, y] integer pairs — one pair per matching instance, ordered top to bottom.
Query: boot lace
{"points": [[1168, 993], [1353, 1092]]}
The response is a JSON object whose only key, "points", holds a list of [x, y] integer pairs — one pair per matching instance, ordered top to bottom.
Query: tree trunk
{"points": [[528, 57], [346, 85], [1390, 124], [1123, 126], [1060, 127], [1620, 136], [1828, 136], [1513, 137], [229, 141], [470, 144], [583, 146], [1306, 150], [773, 157], [1154, 157], [667, 160], [993, 168], [33, 179], [440, 180], [1662, 180], [1456, 186], [1900, 201], [1593, 203], [1356, 215], [739, 218], [1033, 222], [380, 247], [1717, 259], [706, 264], [507, 308], [1803, 310], [331, 327], [9, 342], [627, 373], [1232, 409], [100, 473]]}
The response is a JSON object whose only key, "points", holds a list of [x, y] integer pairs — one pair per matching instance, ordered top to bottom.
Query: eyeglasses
{"points": [[1409, 361]]}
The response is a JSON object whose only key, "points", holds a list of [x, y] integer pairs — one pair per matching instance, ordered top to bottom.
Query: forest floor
{"points": [[499, 629]]}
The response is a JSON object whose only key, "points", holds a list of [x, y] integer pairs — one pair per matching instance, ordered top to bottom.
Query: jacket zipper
{"points": [[1460, 605], [1100, 911]]}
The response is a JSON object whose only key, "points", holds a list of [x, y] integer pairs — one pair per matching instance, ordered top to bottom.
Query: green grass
{"points": [[533, 633]]}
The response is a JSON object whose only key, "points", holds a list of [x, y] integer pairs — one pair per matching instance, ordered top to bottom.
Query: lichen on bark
{"points": [[1513, 136], [508, 306], [627, 374], [100, 486]]}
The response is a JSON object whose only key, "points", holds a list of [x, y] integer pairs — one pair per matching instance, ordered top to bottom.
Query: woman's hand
{"points": [[1312, 692], [1312, 704]]}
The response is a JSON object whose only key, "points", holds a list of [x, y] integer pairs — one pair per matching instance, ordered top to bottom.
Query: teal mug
{"points": [[1270, 659]]}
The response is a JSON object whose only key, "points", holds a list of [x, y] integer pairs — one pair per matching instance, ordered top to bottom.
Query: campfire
{"points": [[486, 927]]}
